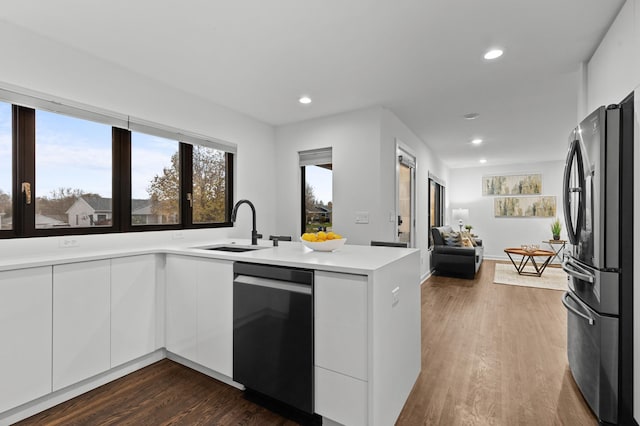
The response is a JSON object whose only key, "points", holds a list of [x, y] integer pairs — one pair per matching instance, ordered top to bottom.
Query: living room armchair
{"points": [[453, 260]]}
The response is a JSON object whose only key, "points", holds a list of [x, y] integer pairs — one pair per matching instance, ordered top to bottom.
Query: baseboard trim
{"points": [[503, 258], [204, 370], [45, 402]]}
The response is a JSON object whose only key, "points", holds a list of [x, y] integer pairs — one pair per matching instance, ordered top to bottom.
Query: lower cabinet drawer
{"points": [[340, 398]]}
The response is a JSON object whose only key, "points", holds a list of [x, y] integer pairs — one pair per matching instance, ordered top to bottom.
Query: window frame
{"points": [[24, 168], [439, 207]]}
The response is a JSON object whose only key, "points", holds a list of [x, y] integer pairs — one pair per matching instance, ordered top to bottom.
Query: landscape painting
{"points": [[512, 185], [544, 206]]}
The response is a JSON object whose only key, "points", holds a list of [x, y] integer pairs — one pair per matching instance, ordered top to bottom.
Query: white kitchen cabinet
{"points": [[182, 296], [340, 306], [133, 308], [200, 311], [215, 315], [81, 321], [341, 323], [25, 333], [341, 398]]}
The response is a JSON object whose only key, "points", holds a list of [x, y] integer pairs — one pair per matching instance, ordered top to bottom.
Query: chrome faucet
{"points": [[254, 233]]}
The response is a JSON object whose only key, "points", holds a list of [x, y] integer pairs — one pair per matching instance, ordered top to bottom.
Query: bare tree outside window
{"points": [[209, 185], [208, 192], [164, 193]]}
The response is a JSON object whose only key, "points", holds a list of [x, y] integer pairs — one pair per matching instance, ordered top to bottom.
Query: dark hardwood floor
{"points": [[491, 355]]}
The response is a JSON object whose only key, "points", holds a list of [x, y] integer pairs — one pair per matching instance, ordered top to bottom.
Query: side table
{"points": [[557, 246]]}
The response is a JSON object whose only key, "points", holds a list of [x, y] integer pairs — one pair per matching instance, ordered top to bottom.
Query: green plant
{"points": [[468, 227], [556, 227]]}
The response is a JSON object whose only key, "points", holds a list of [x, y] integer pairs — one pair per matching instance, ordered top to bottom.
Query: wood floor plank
{"points": [[491, 355]]}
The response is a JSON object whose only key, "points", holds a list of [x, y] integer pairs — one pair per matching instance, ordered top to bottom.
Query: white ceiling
{"points": [[423, 59]]}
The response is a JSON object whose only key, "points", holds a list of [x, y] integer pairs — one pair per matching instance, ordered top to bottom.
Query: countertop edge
{"points": [[317, 263]]}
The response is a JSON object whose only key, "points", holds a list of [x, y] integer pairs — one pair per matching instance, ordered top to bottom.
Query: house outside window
{"points": [[316, 170], [97, 172]]}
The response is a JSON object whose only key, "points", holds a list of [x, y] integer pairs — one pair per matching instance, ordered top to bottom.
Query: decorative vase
{"points": [[556, 237]]}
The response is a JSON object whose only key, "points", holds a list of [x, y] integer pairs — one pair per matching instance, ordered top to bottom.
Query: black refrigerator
{"points": [[598, 209]]}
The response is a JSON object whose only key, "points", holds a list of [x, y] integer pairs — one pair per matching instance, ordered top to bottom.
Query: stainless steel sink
{"points": [[232, 248]]}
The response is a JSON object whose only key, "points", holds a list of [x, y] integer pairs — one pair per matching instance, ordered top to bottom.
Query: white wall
{"points": [[36, 63], [614, 69], [614, 72], [393, 130], [355, 139], [364, 167], [498, 233]]}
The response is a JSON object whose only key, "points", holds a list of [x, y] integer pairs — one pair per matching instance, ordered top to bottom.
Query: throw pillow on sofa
{"points": [[452, 239]]}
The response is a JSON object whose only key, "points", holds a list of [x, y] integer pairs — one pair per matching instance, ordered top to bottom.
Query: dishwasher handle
{"points": [[275, 284]]}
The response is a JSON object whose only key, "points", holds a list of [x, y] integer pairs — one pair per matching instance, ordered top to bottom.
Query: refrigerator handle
{"points": [[574, 152], [577, 272], [570, 308]]}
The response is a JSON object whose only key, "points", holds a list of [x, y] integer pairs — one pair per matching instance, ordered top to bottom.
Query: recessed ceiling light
{"points": [[493, 54], [304, 100], [471, 116], [476, 141], [483, 160]]}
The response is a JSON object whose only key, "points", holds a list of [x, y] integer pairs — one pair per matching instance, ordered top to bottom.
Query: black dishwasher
{"points": [[273, 332]]}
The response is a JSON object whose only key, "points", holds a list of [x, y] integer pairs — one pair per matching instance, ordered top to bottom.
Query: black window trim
{"points": [[23, 170], [439, 204]]}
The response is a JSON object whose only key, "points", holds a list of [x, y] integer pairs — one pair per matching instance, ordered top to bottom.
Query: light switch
{"points": [[362, 217]]}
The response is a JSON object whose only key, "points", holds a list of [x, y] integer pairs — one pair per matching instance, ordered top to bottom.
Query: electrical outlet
{"points": [[362, 217], [68, 243], [395, 296]]}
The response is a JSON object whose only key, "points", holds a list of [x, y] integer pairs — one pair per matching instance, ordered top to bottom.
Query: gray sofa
{"points": [[456, 261]]}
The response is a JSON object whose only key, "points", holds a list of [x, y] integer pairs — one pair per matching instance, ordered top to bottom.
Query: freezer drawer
{"points": [[598, 289], [592, 349]]}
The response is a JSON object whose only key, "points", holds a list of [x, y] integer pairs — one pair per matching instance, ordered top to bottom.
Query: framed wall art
{"points": [[512, 185], [543, 206]]}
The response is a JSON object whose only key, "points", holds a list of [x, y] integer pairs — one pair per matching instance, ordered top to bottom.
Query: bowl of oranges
{"points": [[322, 241]]}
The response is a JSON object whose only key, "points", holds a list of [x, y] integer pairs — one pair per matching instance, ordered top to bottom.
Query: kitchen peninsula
{"points": [[77, 321]]}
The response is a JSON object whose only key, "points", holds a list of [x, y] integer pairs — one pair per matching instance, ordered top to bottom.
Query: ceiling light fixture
{"points": [[493, 54], [304, 100], [471, 116], [477, 141], [483, 160]]}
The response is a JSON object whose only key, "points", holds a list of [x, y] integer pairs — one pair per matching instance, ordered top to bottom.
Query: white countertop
{"points": [[353, 259]]}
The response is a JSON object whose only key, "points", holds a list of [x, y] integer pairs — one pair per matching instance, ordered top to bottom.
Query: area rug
{"points": [[552, 278]]}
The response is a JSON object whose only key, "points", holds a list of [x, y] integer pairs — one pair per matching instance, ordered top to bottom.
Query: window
{"points": [[73, 172], [6, 179], [155, 180], [209, 185], [317, 190], [405, 196], [436, 205]]}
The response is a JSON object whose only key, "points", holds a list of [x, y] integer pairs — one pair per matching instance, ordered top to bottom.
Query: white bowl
{"points": [[329, 245]]}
